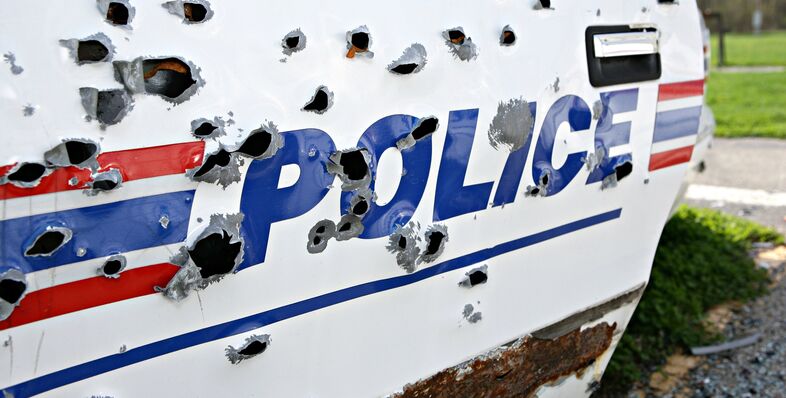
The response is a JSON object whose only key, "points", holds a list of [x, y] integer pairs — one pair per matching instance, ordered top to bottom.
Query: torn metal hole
{"points": [[542, 5], [192, 12], [117, 13], [508, 37], [293, 42], [358, 42], [460, 45], [92, 49], [413, 60], [168, 77], [172, 78], [320, 102], [107, 106], [512, 125], [203, 128], [424, 128], [262, 143], [74, 152], [220, 166], [352, 167], [621, 170], [26, 174], [105, 181], [541, 189], [360, 208], [350, 226], [320, 235], [436, 237], [49, 242], [404, 244], [215, 254], [113, 266], [474, 277], [13, 286], [253, 346]]}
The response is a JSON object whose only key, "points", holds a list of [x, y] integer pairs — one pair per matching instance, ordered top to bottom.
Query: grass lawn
{"points": [[748, 50], [749, 104], [702, 261]]}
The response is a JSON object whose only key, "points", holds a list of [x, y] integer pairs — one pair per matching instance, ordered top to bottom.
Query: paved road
{"points": [[746, 177]]}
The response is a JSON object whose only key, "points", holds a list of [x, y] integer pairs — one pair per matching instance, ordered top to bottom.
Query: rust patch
{"points": [[519, 368]]}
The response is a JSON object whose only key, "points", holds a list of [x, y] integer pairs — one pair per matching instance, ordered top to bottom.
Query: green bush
{"points": [[702, 261]]}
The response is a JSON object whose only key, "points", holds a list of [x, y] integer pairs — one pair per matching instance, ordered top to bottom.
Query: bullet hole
{"points": [[542, 5], [192, 12], [117, 14], [508, 37], [293, 42], [358, 42], [460, 45], [91, 49], [10, 59], [413, 60], [168, 77], [171, 78], [555, 85], [320, 102], [109, 107], [28, 110], [511, 127], [424, 128], [205, 129], [261, 143], [79, 153], [218, 159], [593, 160], [220, 166], [352, 167], [623, 169], [25, 174], [104, 182], [541, 189], [360, 208], [163, 221], [350, 226], [319, 235], [436, 236], [48, 242], [404, 244], [215, 253], [112, 267], [474, 277], [13, 286], [471, 315], [253, 346]]}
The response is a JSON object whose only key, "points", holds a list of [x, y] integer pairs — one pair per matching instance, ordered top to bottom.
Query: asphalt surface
{"points": [[744, 177]]}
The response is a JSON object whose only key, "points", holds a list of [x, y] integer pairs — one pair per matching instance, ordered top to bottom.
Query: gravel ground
{"points": [[758, 370]]}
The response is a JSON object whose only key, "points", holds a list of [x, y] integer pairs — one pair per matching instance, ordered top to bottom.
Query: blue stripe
{"points": [[677, 123], [101, 230], [252, 322]]}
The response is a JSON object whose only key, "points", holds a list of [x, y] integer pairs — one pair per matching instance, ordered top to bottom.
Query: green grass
{"points": [[749, 50], [748, 104], [702, 261]]}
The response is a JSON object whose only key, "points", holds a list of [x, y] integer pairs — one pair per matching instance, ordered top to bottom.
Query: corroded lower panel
{"points": [[518, 369]]}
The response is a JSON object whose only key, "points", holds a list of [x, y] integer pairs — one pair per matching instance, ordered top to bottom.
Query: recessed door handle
{"points": [[609, 45]]}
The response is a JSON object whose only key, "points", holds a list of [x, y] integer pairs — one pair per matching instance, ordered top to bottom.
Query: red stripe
{"points": [[680, 90], [670, 158], [134, 164], [88, 293]]}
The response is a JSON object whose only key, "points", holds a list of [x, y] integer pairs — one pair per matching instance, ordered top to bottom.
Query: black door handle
{"points": [[622, 54]]}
